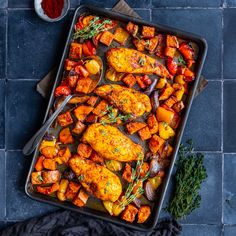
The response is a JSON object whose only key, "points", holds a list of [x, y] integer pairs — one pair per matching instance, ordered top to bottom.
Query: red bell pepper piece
{"points": [[79, 24], [88, 48], [187, 51], [190, 63], [69, 64], [172, 65], [81, 71], [62, 90]]}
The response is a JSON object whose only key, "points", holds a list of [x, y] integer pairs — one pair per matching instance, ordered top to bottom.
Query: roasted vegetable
{"points": [[132, 29], [148, 32], [121, 35], [106, 38], [172, 41], [139, 44], [151, 44], [161, 45], [88, 48], [75, 51], [187, 51], [170, 52], [132, 61], [69, 64], [172, 65], [92, 66], [180, 79], [72, 80], [129, 80], [140, 82], [161, 83], [83, 85], [62, 90], [166, 92], [78, 99], [92, 101], [170, 101], [178, 106], [101, 108], [82, 111], [165, 115], [91, 118], [65, 119], [152, 124], [133, 127], [79, 128], [165, 131], [144, 133], [65, 136], [156, 143], [84, 150], [49, 152], [64, 155], [96, 158], [39, 164], [49, 164], [113, 165], [154, 167], [143, 170], [127, 173], [36, 177], [50, 177], [155, 181], [136, 188], [62, 189], [48, 190], [72, 190], [149, 191], [81, 198], [108, 205], [129, 213], [143, 214]]}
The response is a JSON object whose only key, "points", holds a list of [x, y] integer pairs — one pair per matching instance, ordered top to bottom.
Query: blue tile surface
{"points": [[3, 3], [22, 3], [187, 3], [230, 3], [198, 21], [229, 32], [2, 44], [34, 45], [2, 114], [24, 116], [229, 116], [204, 121], [2, 186], [229, 191], [19, 205], [201, 230], [229, 230]]}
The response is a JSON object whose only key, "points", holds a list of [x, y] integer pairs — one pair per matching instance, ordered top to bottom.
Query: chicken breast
{"points": [[132, 61], [125, 99], [111, 144], [96, 179]]}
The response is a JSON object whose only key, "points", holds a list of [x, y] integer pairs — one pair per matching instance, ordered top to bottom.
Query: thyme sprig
{"points": [[94, 28], [181, 61], [189, 176]]}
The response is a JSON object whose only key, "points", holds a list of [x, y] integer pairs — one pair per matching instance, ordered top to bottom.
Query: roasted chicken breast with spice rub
{"points": [[127, 100], [110, 143]]}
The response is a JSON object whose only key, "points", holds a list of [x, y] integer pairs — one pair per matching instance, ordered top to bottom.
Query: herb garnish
{"points": [[94, 28], [141, 61], [181, 61], [189, 176], [80, 177], [40, 178]]}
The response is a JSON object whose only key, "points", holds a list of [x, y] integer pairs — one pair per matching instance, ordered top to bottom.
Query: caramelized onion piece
{"points": [[155, 101], [154, 167], [149, 191]]}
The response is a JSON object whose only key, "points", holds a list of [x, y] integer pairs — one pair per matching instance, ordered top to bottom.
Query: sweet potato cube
{"points": [[132, 28], [148, 32], [121, 35], [106, 38], [172, 41], [139, 44], [151, 44], [160, 49], [75, 51], [170, 52], [69, 64], [129, 80], [83, 85], [166, 93], [79, 99], [92, 101], [170, 101], [178, 106], [101, 108], [82, 111], [165, 115], [91, 118], [65, 119], [152, 124], [133, 127], [79, 128], [144, 133], [65, 136], [155, 143], [84, 150], [49, 152], [64, 155], [96, 158], [39, 163], [49, 164], [144, 169], [127, 173], [51, 176], [36, 177], [48, 190], [72, 190], [81, 199], [129, 213], [143, 214]]}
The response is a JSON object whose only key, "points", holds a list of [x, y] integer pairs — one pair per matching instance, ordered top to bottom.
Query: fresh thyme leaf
{"points": [[94, 28], [141, 61], [181, 61], [116, 149], [189, 176], [80, 177], [40, 178]]}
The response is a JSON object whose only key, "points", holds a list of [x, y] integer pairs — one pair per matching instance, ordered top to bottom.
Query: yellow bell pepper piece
{"points": [[165, 131]]}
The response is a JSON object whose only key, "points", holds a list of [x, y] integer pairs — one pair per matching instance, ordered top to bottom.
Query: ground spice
{"points": [[52, 8]]}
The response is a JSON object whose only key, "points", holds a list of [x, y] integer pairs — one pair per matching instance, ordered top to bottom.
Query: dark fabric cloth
{"points": [[67, 223]]}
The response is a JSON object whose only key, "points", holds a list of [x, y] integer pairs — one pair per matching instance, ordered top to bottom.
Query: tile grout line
{"points": [[222, 186]]}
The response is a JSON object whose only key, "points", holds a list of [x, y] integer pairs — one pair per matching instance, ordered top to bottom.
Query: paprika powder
{"points": [[52, 8]]}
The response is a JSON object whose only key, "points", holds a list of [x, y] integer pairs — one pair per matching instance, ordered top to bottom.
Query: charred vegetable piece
{"points": [[132, 29], [148, 32], [121, 35], [107, 38], [172, 41], [139, 44], [151, 44], [88, 48], [160, 49], [75, 51], [187, 51], [170, 52], [69, 64], [172, 65], [93, 67], [81, 70], [111, 75], [180, 79], [72, 80], [129, 80], [146, 80], [140, 82], [161, 83], [83, 85], [62, 90], [166, 92], [179, 94], [76, 100], [92, 101], [155, 101], [170, 101], [178, 106], [101, 108], [82, 111], [165, 115], [91, 118], [65, 119], [152, 124], [133, 127], [79, 128], [165, 131], [144, 133], [65, 136], [156, 143], [84, 150], [49, 152], [64, 155], [96, 158], [39, 163], [49, 164], [113, 165], [154, 167], [144, 169], [127, 173], [69, 174], [51, 177], [36, 178], [155, 181], [137, 186], [62, 189], [48, 190], [72, 190], [149, 191], [81, 198], [108, 205], [129, 213], [143, 214]]}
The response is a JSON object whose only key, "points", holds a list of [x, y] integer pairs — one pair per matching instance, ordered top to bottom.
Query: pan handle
{"points": [[34, 141]]}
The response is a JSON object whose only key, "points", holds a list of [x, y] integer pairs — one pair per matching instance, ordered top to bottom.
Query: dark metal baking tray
{"points": [[202, 46]]}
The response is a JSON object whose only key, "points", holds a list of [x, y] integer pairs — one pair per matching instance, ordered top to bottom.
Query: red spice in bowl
{"points": [[52, 8]]}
